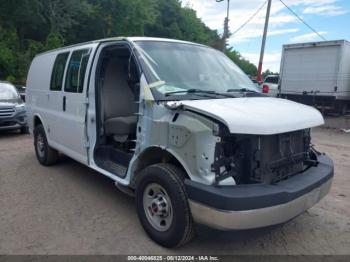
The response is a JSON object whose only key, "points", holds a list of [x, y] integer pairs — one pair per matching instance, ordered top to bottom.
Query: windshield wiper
{"points": [[241, 90], [198, 91]]}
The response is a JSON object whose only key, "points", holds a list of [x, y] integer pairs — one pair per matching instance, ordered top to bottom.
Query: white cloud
{"points": [[310, 2], [328, 10], [213, 13], [282, 22], [282, 31], [246, 35], [306, 37], [271, 60]]}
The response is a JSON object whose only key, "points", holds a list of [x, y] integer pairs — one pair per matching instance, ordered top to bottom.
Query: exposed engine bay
{"points": [[262, 158]]}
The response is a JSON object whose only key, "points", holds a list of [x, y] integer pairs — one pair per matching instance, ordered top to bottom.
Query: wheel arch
{"points": [[37, 120], [154, 155]]}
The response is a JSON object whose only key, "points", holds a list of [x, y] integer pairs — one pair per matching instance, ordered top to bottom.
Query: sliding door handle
{"points": [[64, 103]]}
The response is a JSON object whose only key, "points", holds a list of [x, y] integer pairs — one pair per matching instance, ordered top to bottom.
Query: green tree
{"points": [[61, 15], [28, 27], [8, 40], [53, 41], [244, 64], [268, 72]]}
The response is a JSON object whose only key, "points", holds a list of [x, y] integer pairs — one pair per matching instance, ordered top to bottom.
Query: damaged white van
{"points": [[182, 128]]}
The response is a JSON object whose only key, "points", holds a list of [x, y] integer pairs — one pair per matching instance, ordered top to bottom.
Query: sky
{"points": [[330, 18]]}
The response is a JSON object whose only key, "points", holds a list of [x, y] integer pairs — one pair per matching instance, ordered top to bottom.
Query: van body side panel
{"points": [[39, 100], [65, 126]]}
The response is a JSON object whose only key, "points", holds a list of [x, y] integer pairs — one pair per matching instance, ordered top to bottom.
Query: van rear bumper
{"points": [[253, 206]]}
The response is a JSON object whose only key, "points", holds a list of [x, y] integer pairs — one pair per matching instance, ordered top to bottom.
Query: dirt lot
{"points": [[69, 209]]}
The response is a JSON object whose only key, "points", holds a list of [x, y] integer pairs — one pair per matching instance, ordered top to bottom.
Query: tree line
{"points": [[28, 27]]}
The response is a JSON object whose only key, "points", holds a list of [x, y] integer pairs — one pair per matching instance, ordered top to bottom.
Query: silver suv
{"points": [[12, 109]]}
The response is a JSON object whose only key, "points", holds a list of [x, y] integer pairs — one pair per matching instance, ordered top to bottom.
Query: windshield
{"points": [[176, 68], [271, 79], [20, 89], [8, 92]]}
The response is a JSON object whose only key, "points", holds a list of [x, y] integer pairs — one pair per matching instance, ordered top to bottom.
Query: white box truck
{"points": [[317, 74]]}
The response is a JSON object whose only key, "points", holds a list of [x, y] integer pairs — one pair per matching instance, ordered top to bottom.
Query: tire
{"points": [[341, 108], [344, 109], [24, 130], [45, 154], [177, 227]]}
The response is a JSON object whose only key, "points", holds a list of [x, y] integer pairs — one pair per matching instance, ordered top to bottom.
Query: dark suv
{"points": [[12, 109]]}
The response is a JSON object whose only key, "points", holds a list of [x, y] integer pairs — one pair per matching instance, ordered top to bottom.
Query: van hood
{"points": [[256, 115]]}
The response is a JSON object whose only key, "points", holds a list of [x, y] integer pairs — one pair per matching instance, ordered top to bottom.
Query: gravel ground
{"points": [[70, 209]]}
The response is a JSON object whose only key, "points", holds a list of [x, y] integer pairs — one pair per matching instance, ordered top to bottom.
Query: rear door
{"points": [[310, 69]]}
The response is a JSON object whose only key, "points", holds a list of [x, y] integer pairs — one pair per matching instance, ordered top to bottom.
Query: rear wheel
{"points": [[341, 108], [344, 109], [45, 154], [162, 205]]}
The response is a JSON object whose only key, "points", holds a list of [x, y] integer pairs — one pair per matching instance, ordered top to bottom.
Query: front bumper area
{"points": [[13, 122], [259, 205]]}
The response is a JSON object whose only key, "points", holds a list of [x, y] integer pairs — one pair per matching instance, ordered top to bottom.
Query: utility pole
{"points": [[226, 32], [259, 77]]}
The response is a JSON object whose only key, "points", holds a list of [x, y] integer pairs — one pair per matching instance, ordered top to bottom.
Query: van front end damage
{"points": [[263, 158], [277, 178], [239, 180], [259, 180], [259, 205], [249, 206]]}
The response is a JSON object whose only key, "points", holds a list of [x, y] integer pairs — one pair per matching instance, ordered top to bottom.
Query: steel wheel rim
{"points": [[40, 145], [158, 207]]}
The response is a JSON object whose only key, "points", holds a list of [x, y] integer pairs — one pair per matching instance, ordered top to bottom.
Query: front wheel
{"points": [[162, 205]]}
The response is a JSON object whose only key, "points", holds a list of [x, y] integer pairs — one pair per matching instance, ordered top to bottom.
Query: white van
{"points": [[181, 127]]}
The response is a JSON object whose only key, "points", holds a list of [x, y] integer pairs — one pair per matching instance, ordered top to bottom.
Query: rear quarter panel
{"points": [[38, 83]]}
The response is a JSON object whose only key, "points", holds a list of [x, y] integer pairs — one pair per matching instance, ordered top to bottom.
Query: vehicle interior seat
{"points": [[118, 102]]}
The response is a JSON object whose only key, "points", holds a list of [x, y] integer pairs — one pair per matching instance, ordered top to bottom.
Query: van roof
{"points": [[130, 39]]}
